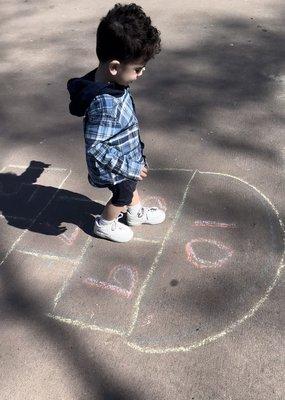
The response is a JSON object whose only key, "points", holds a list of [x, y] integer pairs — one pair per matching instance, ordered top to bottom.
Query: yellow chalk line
{"points": [[158, 255], [48, 256], [251, 312], [83, 325], [196, 344]]}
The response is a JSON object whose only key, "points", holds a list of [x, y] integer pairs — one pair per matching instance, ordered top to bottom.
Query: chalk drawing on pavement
{"points": [[214, 224], [198, 262], [122, 275], [141, 288]]}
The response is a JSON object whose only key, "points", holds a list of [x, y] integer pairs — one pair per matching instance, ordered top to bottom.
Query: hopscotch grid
{"points": [[34, 220], [154, 265], [206, 340]]}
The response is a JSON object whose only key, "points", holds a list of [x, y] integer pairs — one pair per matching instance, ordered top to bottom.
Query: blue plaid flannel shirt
{"points": [[114, 151]]}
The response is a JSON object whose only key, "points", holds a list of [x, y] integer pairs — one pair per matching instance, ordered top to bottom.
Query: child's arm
{"points": [[99, 128]]}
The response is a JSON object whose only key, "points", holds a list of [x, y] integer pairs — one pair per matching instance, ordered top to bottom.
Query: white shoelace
{"points": [[145, 210]]}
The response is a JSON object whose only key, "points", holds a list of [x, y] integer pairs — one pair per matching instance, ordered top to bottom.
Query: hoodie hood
{"points": [[83, 90]]}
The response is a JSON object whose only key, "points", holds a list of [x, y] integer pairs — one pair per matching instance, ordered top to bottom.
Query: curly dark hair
{"points": [[126, 34]]}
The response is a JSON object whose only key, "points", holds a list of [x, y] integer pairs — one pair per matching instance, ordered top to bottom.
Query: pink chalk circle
{"points": [[155, 201], [201, 263]]}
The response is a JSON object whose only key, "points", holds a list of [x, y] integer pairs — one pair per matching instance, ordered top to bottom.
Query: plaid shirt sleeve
{"points": [[101, 127]]}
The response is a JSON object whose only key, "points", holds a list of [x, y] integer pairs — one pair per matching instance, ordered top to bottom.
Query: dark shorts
{"points": [[123, 192]]}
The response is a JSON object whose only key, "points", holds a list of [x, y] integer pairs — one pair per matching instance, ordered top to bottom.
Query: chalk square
{"points": [[21, 202], [35, 207], [33, 279], [103, 290]]}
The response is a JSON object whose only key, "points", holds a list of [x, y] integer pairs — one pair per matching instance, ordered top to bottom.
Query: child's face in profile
{"points": [[127, 73]]}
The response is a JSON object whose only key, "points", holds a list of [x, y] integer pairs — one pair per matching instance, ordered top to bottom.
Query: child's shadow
{"points": [[42, 209]]}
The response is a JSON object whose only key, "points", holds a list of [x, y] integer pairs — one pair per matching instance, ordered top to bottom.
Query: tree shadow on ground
{"points": [[198, 80], [206, 87], [21, 305]]}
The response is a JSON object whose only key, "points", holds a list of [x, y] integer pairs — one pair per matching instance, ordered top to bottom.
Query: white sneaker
{"points": [[146, 215], [115, 231]]}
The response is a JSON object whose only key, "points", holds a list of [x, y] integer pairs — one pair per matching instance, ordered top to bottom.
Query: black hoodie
{"points": [[83, 90]]}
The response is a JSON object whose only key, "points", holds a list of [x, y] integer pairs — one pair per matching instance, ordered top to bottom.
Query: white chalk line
{"points": [[28, 166], [172, 169], [32, 195], [34, 220], [138, 239], [48, 256], [155, 262], [66, 281], [250, 313], [83, 325]]}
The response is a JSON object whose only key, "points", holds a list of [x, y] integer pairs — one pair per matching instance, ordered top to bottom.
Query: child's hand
{"points": [[143, 173]]}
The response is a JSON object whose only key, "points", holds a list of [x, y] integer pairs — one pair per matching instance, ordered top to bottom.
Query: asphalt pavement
{"points": [[192, 308]]}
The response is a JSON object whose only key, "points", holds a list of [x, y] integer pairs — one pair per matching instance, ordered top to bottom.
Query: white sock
{"points": [[134, 209], [103, 221]]}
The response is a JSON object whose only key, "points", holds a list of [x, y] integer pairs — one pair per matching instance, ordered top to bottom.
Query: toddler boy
{"points": [[126, 41]]}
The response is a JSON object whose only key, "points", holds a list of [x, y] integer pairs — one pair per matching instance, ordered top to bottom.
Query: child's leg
{"points": [[122, 194], [135, 199], [111, 212], [107, 225]]}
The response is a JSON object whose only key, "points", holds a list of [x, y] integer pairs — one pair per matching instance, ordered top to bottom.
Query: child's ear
{"points": [[114, 66]]}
